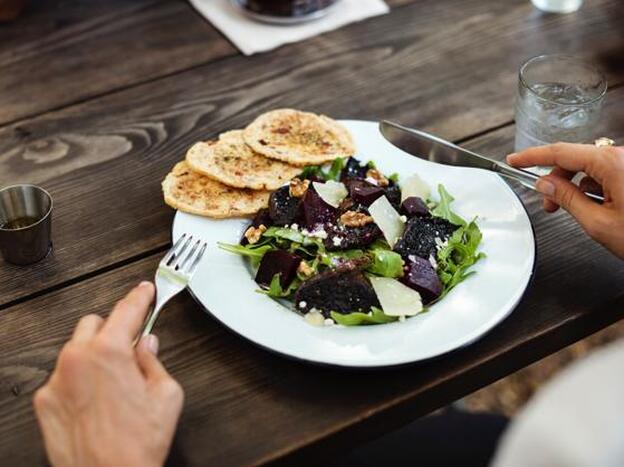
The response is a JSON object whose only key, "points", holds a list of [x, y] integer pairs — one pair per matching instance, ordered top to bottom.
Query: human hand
{"points": [[605, 169], [107, 403]]}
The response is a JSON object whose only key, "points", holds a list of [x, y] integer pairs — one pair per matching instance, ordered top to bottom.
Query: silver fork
{"points": [[174, 274]]}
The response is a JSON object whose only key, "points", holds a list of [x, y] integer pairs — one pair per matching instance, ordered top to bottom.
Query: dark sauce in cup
{"points": [[286, 8]]}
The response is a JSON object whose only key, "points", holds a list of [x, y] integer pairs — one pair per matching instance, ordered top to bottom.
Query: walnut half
{"points": [[378, 177], [298, 187], [355, 219], [253, 234]]}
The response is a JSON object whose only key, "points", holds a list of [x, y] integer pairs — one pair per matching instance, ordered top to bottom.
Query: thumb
{"points": [[567, 195], [146, 352]]}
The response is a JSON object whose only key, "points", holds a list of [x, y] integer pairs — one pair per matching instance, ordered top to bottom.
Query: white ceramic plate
{"points": [[224, 286]]}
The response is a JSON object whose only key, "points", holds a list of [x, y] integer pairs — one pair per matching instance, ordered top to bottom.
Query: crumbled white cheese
{"points": [[372, 181], [403, 218], [295, 227], [319, 234], [337, 241], [439, 243], [412, 258], [433, 262], [302, 304], [314, 318], [329, 322]]}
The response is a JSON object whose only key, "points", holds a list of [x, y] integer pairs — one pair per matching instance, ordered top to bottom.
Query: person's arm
{"points": [[107, 403], [576, 420]]}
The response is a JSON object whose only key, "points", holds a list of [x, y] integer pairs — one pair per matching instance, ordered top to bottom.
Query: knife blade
{"points": [[434, 149]]}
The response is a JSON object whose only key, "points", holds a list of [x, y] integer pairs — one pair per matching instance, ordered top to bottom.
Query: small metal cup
{"points": [[25, 223]]}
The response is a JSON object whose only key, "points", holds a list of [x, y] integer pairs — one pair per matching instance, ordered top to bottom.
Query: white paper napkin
{"points": [[251, 36]]}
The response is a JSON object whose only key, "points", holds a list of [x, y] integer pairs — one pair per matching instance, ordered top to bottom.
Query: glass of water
{"points": [[559, 99]]}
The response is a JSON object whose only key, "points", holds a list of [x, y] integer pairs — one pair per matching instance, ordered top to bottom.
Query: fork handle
{"points": [[150, 321]]}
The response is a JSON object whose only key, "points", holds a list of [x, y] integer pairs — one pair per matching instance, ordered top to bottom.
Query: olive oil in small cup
{"points": [[25, 224]]}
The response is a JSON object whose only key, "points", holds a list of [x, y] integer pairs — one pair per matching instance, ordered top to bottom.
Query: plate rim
{"points": [[380, 366]]}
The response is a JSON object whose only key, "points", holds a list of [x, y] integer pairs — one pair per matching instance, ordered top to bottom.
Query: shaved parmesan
{"points": [[415, 186], [331, 192], [388, 220], [395, 298]]}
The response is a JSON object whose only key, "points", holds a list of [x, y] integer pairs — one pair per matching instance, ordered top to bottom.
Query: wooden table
{"points": [[99, 99]]}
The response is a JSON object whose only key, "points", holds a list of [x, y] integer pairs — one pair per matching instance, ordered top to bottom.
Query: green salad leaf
{"points": [[316, 171], [394, 177], [443, 208], [253, 252], [459, 255], [332, 258], [385, 263], [275, 289], [376, 316]]}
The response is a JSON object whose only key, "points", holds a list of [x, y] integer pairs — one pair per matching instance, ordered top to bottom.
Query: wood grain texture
{"points": [[62, 52], [103, 160], [245, 406]]}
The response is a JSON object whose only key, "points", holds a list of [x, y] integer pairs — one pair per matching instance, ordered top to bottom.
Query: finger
{"points": [[573, 157], [589, 185], [567, 195], [549, 205], [126, 318], [87, 327], [146, 352]]}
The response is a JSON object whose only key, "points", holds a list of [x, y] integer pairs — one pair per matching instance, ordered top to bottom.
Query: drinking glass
{"points": [[559, 98], [25, 223]]}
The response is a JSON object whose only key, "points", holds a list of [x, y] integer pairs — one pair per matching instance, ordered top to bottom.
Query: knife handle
{"points": [[528, 179]]}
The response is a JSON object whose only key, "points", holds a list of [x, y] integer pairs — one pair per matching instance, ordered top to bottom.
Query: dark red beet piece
{"points": [[353, 169], [363, 192], [393, 193], [414, 207], [283, 208], [316, 211], [261, 218], [278, 262], [421, 277], [344, 291]]}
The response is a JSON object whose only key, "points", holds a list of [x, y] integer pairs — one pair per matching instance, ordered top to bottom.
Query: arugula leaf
{"points": [[371, 165], [312, 171], [334, 172], [394, 177], [443, 208], [282, 232], [253, 252], [459, 255], [333, 257], [385, 263], [275, 289], [377, 316]]}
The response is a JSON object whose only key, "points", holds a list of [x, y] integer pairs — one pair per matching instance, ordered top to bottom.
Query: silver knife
{"points": [[429, 147]]}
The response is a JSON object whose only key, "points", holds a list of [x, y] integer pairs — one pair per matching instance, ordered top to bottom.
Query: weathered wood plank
{"points": [[60, 53], [448, 66], [233, 388]]}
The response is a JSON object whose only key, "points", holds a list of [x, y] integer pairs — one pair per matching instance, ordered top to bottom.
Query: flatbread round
{"points": [[299, 138], [234, 163], [197, 194]]}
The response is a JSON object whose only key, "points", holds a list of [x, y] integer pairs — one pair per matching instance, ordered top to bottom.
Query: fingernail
{"points": [[511, 156], [545, 187], [145, 284], [151, 341]]}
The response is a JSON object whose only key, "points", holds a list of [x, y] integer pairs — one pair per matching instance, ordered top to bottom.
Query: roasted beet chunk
{"points": [[353, 169], [362, 192], [393, 193], [414, 207], [283, 208], [316, 211], [261, 218], [420, 235], [347, 238], [277, 262], [420, 276], [343, 291]]}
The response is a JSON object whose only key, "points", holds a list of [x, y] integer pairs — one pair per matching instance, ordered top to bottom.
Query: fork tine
{"points": [[173, 249], [178, 254], [188, 256], [193, 266]]}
